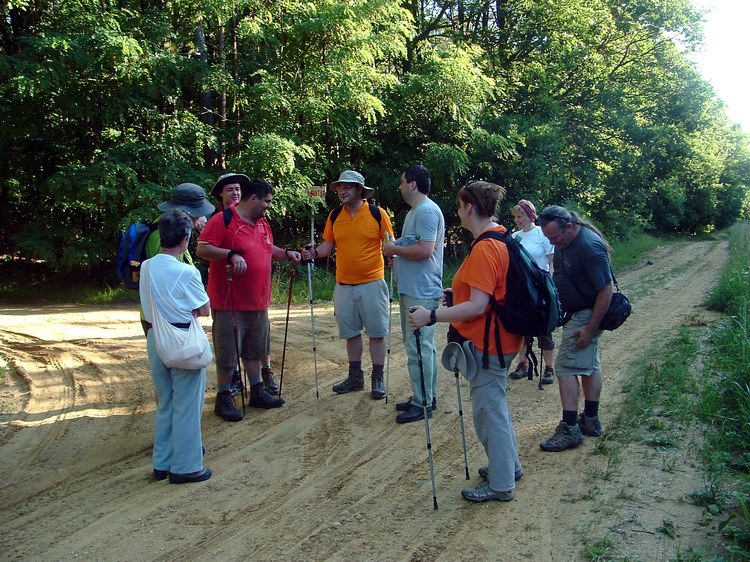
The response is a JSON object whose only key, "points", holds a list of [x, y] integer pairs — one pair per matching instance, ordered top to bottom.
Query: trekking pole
{"points": [[310, 270], [390, 323], [286, 326], [417, 336], [236, 338], [461, 418]]}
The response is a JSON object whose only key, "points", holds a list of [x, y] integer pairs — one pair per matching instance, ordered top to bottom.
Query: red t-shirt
{"points": [[485, 268], [252, 289]]}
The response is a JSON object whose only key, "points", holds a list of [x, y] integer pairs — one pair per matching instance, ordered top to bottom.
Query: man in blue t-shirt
{"points": [[419, 270], [583, 277]]}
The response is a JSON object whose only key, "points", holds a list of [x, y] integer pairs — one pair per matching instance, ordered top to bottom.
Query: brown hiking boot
{"points": [[268, 380], [355, 381]]}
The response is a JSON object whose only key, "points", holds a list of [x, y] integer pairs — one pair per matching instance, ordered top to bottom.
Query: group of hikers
{"points": [[238, 244]]}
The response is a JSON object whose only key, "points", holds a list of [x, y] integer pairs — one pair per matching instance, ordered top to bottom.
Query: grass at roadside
{"points": [[628, 253], [669, 390], [726, 403]]}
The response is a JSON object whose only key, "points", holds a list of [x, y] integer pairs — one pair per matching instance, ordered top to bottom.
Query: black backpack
{"points": [[131, 252], [531, 307]]}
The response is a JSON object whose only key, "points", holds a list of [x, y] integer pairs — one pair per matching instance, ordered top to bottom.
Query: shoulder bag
{"points": [[177, 348]]}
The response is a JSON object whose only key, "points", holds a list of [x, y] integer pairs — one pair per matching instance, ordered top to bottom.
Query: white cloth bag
{"points": [[177, 348]]}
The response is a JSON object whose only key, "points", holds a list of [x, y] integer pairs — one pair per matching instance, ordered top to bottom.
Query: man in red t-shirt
{"points": [[246, 246]]}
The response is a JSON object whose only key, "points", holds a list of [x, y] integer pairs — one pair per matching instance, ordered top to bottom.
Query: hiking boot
{"points": [[521, 372], [549, 375], [268, 380], [355, 381], [235, 387], [378, 388], [261, 397], [403, 406], [225, 408], [414, 413], [589, 426], [565, 437], [484, 472], [483, 493]]}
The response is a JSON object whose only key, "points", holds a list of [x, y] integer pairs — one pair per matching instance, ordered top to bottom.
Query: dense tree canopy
{"points": [[592, 103]]}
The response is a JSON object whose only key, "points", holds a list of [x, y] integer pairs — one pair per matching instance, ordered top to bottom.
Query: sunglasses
{"points": [[549, 217]]}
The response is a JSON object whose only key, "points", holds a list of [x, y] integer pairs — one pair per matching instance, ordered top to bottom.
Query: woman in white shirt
{"points": [[536, 244], [178, 295]]}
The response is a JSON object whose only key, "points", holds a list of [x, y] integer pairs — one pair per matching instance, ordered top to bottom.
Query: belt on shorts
{"points": [[350, 284], [182, 325]]}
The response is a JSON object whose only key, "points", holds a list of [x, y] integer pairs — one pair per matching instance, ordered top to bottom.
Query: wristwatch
{"points": [[232, 253], [433, 319]]}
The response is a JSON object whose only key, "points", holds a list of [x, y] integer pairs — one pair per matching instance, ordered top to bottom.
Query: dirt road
{"points": [[321, 478]]}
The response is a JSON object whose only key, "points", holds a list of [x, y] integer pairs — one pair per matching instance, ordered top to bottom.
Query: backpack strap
{"points": [[375, 212], [335, 213], [227, 214], [494, 235]]}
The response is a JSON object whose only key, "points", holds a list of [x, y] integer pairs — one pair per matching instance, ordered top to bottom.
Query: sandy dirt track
{"points": [[333, 478]]}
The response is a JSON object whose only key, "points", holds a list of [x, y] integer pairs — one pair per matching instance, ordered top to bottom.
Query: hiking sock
{"points": [[267, 362], [355, 366], [377, 370], [255, 379], [224, 387], [591, 408], [569, 417]]}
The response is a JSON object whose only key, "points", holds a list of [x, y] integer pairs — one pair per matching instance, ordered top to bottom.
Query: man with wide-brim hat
{"points": [[352, 177], [231, 181], [356, 230]]}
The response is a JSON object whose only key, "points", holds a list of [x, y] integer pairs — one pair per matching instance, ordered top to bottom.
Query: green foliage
{"points": [[107, 106]]}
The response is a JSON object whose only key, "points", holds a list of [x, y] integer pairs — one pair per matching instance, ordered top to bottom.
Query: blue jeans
{"points": [[429, 351], [492, 421], [177, 435]]}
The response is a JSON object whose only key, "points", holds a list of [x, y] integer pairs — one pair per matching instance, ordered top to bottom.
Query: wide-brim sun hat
{"points": [[350, 176], [241, 179], [190, 198], [460, 358]]}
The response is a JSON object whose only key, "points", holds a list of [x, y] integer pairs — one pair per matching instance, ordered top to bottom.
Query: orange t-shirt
{"points": [[359, 250], [485, 268]]}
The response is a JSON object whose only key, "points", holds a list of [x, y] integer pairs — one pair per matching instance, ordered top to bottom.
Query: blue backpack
{"points": [[131, 252]]}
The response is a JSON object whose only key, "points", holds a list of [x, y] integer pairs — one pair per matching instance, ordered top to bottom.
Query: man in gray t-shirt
{"points": [[418, 258], [584, 283]]}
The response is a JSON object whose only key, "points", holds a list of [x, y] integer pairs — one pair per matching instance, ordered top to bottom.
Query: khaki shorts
{"points": [[361, 306], [252, 332], [572, 360]]}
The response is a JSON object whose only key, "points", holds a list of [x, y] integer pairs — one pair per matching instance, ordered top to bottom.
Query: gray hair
{"points": [[563, 216], [174, 226]]}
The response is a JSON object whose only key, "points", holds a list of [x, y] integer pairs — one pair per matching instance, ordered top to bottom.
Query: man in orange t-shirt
{"points": [[361, 295]]}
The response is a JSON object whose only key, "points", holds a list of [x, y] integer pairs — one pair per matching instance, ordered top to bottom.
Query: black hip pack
{"points": [[618, 311]]}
